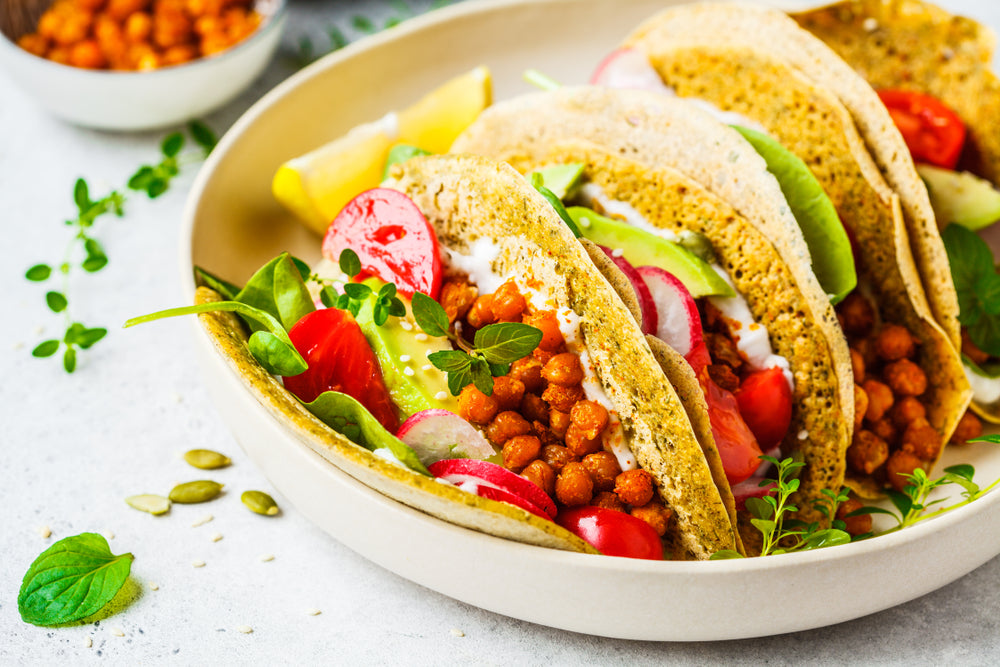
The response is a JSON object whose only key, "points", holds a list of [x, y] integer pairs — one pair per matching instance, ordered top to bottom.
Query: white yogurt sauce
{"points": [[589, 193], [478, 265], [984, 390], [386, 454]]}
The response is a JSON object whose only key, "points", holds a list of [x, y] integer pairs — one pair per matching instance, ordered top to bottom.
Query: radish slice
{"points": [[627, 68], [647, 307], [678, 321], [440, 434], [479, 475], [751, 488], [505, 497]]}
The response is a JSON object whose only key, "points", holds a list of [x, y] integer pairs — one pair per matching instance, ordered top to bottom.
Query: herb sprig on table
{"points": [[84, 250]]}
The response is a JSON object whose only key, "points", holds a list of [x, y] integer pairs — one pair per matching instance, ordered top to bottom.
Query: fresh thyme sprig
{"points": [[85, 251], [356, 294]]}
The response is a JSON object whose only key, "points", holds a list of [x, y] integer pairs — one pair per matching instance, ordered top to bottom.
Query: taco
{"points": [[933, 72], [672, 173], [901, 323], [546, 373]]}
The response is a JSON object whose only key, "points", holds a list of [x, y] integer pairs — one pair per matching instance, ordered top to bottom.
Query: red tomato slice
{"points": [[933, 132], [392, 238], [340, 359], [765, 401], [737, 445], [496, 482], [612, 533]]}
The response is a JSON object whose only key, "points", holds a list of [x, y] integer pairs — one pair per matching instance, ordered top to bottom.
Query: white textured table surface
{"points": [[75, 445]]}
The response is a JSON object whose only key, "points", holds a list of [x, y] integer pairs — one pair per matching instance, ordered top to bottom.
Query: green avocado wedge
{"points": [[560, 179], [960, 197], [832, 259]]}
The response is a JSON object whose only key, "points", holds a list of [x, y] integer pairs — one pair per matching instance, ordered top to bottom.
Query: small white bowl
{"points": [[115, 100]]}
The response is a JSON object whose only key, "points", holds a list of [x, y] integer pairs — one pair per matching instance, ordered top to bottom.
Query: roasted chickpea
{"points": [[90, 5], [121, 9], [49, 24], [207, 24], [138, 27], [73, 28], [172, 28], [217, 42], [34, 43], [59, 54], [87, 54], [177, 55], [457, 296], [508, 303], [481, 312], [856, 314], [547, 322], [894, 342], [866, 348], [543, 356], [857, 366], [563, 369], [529, 371], [905, 378], [508, 392], [563, 398], [880, 399], [475, 406], [860, 406], [534, 408], [906, 410], [590, 417], [559, 422], [505, 426], [969, 427], [885, 429], [542, 432], [922, 439], [578, 442], [521, 450], [867, 452], [557, 456], [899, 464], [603, 468], [542, 475], [573, 485], [635, 487], [609, 501], [655, 514], [854, 525]]}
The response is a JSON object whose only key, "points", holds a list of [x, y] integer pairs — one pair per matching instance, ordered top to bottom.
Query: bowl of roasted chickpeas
{"points": [[136, 64]]}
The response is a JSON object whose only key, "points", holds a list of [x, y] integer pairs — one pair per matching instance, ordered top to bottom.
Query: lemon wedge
{"points": [[315, 186]]}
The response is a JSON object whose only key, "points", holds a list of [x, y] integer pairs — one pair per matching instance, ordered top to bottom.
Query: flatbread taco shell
{"points": [[683, 170], [465, 199]]}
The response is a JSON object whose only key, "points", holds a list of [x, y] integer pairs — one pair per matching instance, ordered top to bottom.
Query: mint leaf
{"points": [[429, 315], [507, 342], [450, 360], [481, 376], [72, 579]]}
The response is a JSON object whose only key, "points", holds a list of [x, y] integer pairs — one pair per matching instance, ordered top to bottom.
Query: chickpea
{"points": [[90, 5], [205, 7], [120, 9], [49, 24], [207, 24], [138, 27], [74, 28], [171, 28], [217, 42], [34, 43], [59, 54], [87, 54], [178, 55], [457, 296], [508, 303], [481, 312], [856, 314], [547, 322], [894, 342], [866, 348], [543, 356], [857, 365], [564, 370], [529, 371], [905, 378], [508, 392], [563, 398], [880, 399], [475, 406], [860, 406], [534, 408], [906, 410], [590, 417], [559, 422], [505, 426], [969, 427], [885, 429], [542, 432], [922, 439], [578, 442], [521, 450], [867, 452], [557, 456], [899, 464], [603, 469], [542, 475], [573, 485], [635, 487], [609, 501], [655, 514], [854, 525]]}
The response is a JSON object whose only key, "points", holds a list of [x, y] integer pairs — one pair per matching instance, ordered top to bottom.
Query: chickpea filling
{"points": [[539, 416], [892, 436]]}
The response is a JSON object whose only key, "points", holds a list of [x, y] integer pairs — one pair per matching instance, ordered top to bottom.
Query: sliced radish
{"points": [[627, 68], [646, 305], [678, 321], [441, 434], [480, 475], [751, 488], [503, 496]]}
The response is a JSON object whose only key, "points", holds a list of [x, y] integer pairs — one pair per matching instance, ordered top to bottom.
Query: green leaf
{"points": [[392, 22], [363, 24], [337, 39], [203, 135], [172, 144], [399, 154], [141, 179], [156, 187], [81, 195], [557, 204], [96, 259], [349, 262], [38, 273], [224, 288], [278, 289], [357, 291], [387, 291], [328, 297], [56, 301], [343, 301], [396, 307], [380, 314], [429, 315], [985, 333], [88, 337], [507, 342], [46, 348], [275, 355], [69, 359], [450, 360], [499, 370], [481, 376], [459, 380], [350, 418], [989, 437], [964, 470], [902, 501], [759, 508], [864, 511], [765, 526], [826, 538], [726, 554], [72, 579]]}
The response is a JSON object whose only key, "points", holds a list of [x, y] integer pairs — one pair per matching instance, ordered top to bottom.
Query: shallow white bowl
{"points": [[112, 100], [232, 225]]}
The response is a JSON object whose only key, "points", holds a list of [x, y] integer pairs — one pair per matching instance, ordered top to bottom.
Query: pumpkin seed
{"points": [[206, 459], [199, 491], [149, 502], [260, 502]]}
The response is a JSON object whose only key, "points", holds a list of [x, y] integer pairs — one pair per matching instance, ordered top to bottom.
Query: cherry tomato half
{"points": [[933, 132], [392, 238], [340, 359], [765, 401], [737, 445], [612, 533]]}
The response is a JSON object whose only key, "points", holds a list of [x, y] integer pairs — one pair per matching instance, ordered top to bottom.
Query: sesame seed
{"points": [[870, 24], [947, 53], [585, 222], [617, 252], [406, 326], [39, 330], [421, 337], [19, 345], [428, 353], [404, 358], [426, 367], [408, 372], [441, 396], [803, 434], [202, 521], [44, 531], [110, 535], [216, 537], [266, 558], [198, 563], [153, 586], [313, 612], [245, 629], [117, 632], [455, 632], [87, 642]]}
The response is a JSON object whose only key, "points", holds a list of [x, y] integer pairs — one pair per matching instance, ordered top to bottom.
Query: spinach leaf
{"points": [[226, 289], [278, 289]]}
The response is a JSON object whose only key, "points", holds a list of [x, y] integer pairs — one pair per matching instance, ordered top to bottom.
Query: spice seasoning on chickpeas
{"points": [[139, 34]]}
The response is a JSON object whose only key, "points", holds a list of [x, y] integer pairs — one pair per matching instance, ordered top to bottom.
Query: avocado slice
{"points": [[560, 178], [960, 197], [829, 246], [642, 248], [398, 350]]}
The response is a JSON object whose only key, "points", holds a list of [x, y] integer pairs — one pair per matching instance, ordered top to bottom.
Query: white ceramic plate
{"points": [[233, 225]]}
